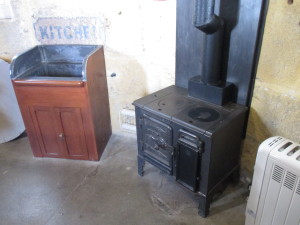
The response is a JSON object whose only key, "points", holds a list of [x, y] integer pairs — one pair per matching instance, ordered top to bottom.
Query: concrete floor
{"points": [[109, 192]]}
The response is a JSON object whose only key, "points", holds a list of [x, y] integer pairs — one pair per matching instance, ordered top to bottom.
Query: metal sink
{"points": [[52, 62]]}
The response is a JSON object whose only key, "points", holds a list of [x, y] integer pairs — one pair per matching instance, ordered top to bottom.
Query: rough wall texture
{"points": [[138, 35], [139, 40], [275, 108]]}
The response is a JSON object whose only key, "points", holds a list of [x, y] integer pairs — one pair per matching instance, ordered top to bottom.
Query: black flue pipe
{"points": [[212, 25]]}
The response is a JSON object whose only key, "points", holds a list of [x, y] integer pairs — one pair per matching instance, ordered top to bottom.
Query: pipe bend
{"points": [[205, 18], [211, 26]]}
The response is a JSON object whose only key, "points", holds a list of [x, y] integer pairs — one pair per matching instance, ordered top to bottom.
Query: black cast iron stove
{"points": [[193, 130], [194, 140]]}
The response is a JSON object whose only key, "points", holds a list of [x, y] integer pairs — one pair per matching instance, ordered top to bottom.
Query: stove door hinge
{"points": [[140, 122]]}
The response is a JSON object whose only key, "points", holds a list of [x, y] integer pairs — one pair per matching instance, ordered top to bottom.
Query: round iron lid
{"points": [[204, 114]]}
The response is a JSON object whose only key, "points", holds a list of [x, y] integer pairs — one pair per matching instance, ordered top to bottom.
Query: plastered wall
{"points": [[139, 40], [275, 108]]}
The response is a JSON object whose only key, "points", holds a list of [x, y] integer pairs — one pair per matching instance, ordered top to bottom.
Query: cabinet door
{"points": [[47, 131], [72, 131]]}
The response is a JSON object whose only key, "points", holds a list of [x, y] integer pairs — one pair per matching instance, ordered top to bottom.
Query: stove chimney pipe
{"points": [[209, 23], [208, 86]]}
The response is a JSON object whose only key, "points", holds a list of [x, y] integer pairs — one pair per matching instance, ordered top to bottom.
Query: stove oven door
{"points": [[157, 144], [188, 158]]}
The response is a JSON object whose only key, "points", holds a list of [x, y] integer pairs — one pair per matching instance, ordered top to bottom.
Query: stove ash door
{"points": [[157, 144], [188, 158]]}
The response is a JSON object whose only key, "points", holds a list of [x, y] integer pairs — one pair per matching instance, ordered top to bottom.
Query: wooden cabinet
{"points": [[67, 118], [60, 131]]}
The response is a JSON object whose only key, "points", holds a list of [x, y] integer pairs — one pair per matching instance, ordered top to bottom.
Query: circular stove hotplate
{"points": [[204, 114]]}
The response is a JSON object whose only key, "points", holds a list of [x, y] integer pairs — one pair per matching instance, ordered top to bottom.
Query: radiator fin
{"points": [[285, 146], [294, 150], [277, 174], [289, 180], [298, 188]]}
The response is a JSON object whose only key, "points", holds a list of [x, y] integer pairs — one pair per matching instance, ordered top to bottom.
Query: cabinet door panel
{"points": [[45, 126], [71, 126]]}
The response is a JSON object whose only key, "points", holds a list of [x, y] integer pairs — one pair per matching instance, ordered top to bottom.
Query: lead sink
{"points": [[52, 62]]}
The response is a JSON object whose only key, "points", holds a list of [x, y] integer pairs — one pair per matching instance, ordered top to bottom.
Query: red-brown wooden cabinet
{"points": [[67, 118]]}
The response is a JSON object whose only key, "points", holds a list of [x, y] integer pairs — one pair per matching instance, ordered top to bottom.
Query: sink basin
{"points": [[52, 62]]}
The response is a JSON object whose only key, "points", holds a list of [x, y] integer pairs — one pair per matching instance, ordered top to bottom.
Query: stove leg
{"points": [[141, 164], [203, 208]]}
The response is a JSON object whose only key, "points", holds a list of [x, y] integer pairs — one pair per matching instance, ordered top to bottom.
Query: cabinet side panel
{"points": [[97, 93]]}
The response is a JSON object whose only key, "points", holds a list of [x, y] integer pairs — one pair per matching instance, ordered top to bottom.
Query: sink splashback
{"points": [[54, 62]]}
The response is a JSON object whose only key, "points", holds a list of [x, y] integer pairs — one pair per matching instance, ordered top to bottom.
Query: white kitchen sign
{"points": [[80, 30]]}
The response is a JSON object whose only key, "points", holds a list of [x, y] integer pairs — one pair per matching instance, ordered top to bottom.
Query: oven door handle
{"points": [[189, 134], [191, 140], [161, 144]]}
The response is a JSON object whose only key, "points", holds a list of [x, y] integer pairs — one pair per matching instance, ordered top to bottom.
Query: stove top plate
{"points": [[173, 103], [170, 104], [204, 114], [201, 116]]}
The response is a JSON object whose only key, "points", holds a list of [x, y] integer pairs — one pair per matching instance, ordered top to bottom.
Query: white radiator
{"points": [[275, 192]]}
